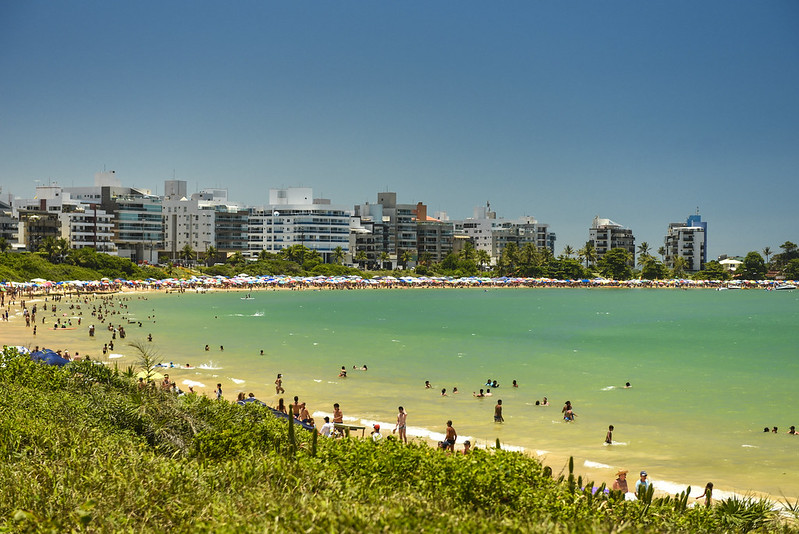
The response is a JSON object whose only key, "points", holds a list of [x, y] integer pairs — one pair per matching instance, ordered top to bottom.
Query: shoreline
{"points": [[78, 340]]}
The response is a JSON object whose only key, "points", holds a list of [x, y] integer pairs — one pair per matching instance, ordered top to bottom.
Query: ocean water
{"points": [[709, 369]]}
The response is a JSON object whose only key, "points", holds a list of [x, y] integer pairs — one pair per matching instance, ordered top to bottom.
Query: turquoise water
{"points": [[709, 369]]}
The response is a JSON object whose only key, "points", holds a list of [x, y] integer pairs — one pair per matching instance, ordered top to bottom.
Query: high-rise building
{"points": [[294, 217], [390, 230], [492, 234], [605, 235], [434, 237], [687, 240]]}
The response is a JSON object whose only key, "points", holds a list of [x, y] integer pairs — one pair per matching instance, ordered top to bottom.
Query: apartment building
{"points": [[294, 217], [605, 235], [687, 240]]}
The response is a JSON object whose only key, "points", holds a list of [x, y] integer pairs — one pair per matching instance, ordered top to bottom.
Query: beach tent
{"points": [[49, 357]]}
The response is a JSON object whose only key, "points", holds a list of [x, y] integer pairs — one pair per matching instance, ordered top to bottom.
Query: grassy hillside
{"points": [[85, 264], [82, 449]]}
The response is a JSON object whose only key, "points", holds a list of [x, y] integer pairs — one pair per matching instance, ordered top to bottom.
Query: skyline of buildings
{"points": [[136, 224]]}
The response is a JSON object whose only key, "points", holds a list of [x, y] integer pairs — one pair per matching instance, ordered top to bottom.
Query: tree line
{"points": [[526, 261]]}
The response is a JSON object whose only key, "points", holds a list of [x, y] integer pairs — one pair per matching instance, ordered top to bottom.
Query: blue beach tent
{"points": [[48, 357]]}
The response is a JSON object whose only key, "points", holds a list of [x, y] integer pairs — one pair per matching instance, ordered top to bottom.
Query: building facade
{"points": [[294, 217], [492, 234], [605, 235], [687, 240]]}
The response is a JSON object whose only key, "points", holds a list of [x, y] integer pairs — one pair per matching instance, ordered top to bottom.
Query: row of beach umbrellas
{"points": [[243, 280]]}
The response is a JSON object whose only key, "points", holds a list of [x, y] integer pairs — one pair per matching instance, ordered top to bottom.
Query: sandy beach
{"points": [[76, 340]]}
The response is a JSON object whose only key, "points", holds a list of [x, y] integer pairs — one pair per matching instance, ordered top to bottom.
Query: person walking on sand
{"points": [[279, 385], [218, 392], [498, 412], [400, 427], [609, 436], [449, 438]]}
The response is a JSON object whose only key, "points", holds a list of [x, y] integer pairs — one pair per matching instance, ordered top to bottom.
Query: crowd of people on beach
{"points": [[108, 311]]}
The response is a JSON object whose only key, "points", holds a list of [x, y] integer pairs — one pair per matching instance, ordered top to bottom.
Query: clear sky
{"points": [[635, 111]]}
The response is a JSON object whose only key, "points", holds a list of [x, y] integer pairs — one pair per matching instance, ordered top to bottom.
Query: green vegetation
{"points": [[57, 262], [83, 264], [83, 449]]}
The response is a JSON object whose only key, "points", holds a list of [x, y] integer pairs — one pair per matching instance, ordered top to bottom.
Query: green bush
{"points": [[81, 448]]}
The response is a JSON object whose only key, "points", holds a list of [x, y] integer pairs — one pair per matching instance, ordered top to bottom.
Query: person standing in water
{"points": [[498, 412], [609, 436]]}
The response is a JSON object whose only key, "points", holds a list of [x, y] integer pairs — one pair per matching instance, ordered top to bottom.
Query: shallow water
{"points": [[709, 369]]}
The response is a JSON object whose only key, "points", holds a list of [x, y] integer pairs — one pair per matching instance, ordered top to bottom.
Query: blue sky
{"points": [[636, 111]]}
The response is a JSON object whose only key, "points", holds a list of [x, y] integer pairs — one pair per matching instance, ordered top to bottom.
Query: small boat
{"points": [[785, 287], [248, 297]]}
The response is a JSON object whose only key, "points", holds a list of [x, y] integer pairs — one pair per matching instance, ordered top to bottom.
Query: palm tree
{"points": [[4, 245], [49, 246], [63, 248], [468, 251], [568, 251], [643, 252], [662, 252], [187, 253], [588, 253], [767, 253], [338, 254], [210, 256], [384, 257], [361, 258], [405, 258], [425, 258], [483, 258], [236, 259], [680, 264]]}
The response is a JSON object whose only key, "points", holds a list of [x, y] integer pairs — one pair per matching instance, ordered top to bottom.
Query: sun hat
{"points": [[621, 472], [643, 473]]}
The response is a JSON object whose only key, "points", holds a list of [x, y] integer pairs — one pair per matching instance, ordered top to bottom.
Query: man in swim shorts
{"points": [[498, 412], [400, 426], [450, 437]]}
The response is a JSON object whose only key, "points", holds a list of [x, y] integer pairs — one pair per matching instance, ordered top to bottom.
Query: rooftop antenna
{"points": [[697, 210]]}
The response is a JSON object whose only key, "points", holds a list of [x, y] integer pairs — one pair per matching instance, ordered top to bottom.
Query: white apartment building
{"points": [[54, 213], [294, 217], [187, 221], [87, 225], [138, 228], [492, 235], [605, 235], [687, 240]]}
